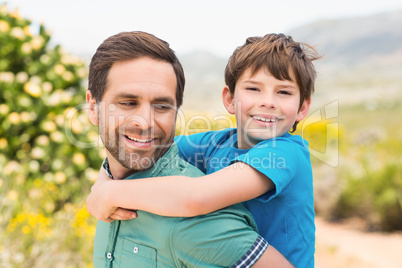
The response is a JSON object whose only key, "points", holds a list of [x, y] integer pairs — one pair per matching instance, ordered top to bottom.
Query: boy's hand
{"points": [[99, 205], [123, 214]]}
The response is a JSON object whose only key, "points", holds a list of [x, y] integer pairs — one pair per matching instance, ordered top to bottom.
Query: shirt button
{"points": [[135, 250], [109, 255]]}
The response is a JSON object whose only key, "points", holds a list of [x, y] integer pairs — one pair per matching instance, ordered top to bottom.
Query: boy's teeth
{"points": [[265, 119], [138, 140]]}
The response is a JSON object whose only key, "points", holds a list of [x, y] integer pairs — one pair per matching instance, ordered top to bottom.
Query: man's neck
{"points": [[118, 171]]}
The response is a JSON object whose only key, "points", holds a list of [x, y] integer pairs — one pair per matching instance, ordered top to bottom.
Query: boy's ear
{"points": [[228, 100], [92, 108], [304, 109]]}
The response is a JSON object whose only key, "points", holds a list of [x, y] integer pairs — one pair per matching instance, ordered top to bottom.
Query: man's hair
{"points": [[127, 46], [281, 56]]}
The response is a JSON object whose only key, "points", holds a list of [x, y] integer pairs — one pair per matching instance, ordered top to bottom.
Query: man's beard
{"points": [[136, 160]]}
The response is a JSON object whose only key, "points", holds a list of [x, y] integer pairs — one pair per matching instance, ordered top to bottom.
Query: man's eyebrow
{"points": [[127, 96], [165, 99]]}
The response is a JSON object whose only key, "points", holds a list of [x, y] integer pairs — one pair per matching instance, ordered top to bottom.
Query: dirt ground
{"points": [[348, 246]]}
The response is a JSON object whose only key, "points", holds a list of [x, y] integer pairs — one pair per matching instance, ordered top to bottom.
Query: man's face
{"points": [[137, 114]]}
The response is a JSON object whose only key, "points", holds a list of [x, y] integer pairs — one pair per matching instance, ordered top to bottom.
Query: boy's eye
{"points": [[252, 88], [284, 92]]}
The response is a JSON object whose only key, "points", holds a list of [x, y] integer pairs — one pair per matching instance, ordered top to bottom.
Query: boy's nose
{"points": [[268, 102]]}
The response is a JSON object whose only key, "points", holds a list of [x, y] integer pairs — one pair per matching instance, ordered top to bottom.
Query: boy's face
{"points": [[265, 107]]}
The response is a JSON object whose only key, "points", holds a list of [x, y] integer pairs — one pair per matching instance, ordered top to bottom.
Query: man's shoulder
{"points": [[173, 165]]}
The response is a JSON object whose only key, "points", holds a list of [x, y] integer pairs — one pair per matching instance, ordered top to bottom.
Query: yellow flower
{"points": [[16, 14], [4, 26], [27, 30], [18, 33], [37, 42], [26, 48], [45, 59], [59, 69], [82, 72], [67, 76], [7, 77], [21, 77], [47, 87], [32, 89], [4, 108], [25, 117], [14, 118], [59, 120], [49, 126], [56, 136], [42, 140], [3, 143], [37, 153], [78, 159], [34, 166], [11, 167], [91, 174], [60, 177], [12, 195], [25, 229]]}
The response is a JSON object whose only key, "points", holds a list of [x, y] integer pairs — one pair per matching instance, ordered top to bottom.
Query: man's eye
{"points": [[252, 88], [128, 103], [162, 106]]}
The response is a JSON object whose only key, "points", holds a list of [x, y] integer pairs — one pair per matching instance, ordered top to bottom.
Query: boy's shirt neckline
{"points": [[234, 143]]}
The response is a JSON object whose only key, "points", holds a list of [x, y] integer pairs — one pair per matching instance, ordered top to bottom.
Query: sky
{"points": [[218, 26]]}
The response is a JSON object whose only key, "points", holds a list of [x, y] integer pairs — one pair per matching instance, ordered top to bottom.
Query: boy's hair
{"points": [[127, 46], [281, 56]]}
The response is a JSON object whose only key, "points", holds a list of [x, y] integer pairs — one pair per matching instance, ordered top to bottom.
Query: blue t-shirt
{"points": [[285, 215]]}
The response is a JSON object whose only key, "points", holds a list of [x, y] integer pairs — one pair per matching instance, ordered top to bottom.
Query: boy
{"points": [[269, 81]]}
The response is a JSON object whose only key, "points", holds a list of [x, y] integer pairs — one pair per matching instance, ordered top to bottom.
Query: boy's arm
{"points": [[181, 196], [104, 212]]}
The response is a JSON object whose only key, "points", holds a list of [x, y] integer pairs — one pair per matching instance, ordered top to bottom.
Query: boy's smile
{"points": [[265, 107]]}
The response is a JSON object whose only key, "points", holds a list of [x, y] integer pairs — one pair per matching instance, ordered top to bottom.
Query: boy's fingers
{"points": [[123, 214]]}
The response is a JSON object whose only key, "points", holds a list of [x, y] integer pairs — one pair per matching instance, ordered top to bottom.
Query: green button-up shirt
{"points": [[218, 239]]}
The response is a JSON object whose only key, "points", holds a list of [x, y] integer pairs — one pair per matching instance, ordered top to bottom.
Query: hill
{"points": [[362, 62]]}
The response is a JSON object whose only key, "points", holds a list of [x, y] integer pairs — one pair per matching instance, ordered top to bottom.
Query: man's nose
{"points": [[142, 117]]}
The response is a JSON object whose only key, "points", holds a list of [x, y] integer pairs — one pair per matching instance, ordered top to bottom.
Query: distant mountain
{"points": [[356, 39], [362, 61]]}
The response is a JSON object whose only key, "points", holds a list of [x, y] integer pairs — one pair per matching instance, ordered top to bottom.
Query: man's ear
{"points": [[228, 100], [92, 108], [303, 111]]}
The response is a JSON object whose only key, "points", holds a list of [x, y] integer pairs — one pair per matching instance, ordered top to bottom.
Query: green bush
{"points": [[44, 175], [375, 195]]}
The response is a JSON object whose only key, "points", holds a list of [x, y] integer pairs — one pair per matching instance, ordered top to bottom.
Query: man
{"points": [[136, 84]]}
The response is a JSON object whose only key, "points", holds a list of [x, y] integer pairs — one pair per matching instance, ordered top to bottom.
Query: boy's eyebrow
{"points": [[252, 82], [260, 83]]}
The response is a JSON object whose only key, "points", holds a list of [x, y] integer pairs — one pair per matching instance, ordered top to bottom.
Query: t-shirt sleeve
{"points": [[195, 148], [277, 159], [226, 238]]}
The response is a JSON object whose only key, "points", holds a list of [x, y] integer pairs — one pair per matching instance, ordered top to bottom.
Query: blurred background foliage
{"points": [[50, 153], [44, 176]]}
